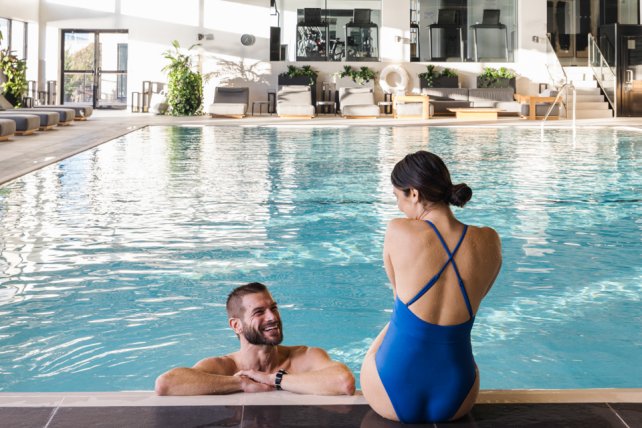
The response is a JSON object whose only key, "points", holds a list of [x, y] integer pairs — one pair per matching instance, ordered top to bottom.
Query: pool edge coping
{"points": [[283, 398]]}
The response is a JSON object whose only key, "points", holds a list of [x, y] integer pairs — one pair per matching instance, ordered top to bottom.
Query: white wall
{"points": [[223, 58]]}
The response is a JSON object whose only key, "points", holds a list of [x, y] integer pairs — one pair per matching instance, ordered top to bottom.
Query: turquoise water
{"points": [[115, 263]]}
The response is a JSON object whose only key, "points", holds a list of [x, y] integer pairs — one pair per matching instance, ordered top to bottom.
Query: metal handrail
{"points": [[553, 66], [603, 72], [565, 88]]}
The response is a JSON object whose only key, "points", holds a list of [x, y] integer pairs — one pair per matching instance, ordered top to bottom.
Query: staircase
{"points": [[590, 103]]}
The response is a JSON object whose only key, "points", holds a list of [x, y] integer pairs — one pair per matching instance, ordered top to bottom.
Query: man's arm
{"points": [[312, 372], [209, 376]]}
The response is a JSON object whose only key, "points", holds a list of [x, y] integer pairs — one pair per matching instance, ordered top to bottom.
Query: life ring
{"points": [[403, 79]]}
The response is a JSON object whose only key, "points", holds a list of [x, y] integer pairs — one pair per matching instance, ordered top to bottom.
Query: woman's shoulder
{"points": [[486, 237]]}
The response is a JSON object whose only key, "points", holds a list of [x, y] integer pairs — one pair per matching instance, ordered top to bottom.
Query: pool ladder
{"points": [[565, 88]]}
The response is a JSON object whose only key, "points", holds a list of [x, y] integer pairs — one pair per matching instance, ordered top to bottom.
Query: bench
{"points": [[475, 113]]}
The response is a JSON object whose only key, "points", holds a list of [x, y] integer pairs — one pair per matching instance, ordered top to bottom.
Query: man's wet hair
{"points": [[234, 299]]}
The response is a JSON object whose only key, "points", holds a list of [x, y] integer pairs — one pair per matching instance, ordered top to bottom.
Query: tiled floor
{"points": [[585, 415]]}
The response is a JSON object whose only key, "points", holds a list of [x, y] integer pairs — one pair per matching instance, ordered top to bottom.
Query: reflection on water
{"points": [[115, 264]]}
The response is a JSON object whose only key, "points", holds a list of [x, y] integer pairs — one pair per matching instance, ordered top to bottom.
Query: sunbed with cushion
{"points": [[294, 101], [230, 102], [358, 103], [65, 115], [46, 119], [25, 123], [7, 129]]}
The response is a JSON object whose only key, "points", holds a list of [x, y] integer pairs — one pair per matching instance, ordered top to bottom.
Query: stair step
{"points": [[584, 83], [587, 91], [582, 98], [591, 106], [591, 114]]}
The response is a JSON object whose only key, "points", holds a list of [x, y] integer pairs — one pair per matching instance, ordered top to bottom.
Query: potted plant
{"points": [[13, 76], [298, 76], [361, 76], [431, 78], [496, 78], [185, 87]]}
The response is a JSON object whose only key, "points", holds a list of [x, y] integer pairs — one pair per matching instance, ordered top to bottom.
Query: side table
{"points": [[260, 104], [330, 104]]}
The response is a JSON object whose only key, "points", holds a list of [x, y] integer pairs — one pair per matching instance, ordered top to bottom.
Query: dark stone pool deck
{"points": [[523, 408]]}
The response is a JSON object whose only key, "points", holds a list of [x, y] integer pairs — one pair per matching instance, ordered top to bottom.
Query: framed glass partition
{"points": [[327, 30], [465, 30]]}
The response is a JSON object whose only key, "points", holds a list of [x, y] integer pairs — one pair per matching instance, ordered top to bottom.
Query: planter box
{"points": [[284, 79], [440, 82], [495, 82]]}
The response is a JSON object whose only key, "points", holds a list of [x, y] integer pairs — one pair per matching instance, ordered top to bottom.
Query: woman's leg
{"points": [[371, 384]]}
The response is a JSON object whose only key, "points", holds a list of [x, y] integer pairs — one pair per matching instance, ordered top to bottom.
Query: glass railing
{"points": [[555, 70], [603, 72]]}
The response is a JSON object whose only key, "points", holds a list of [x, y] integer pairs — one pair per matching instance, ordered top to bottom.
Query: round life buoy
{"points": [[403, 79]]}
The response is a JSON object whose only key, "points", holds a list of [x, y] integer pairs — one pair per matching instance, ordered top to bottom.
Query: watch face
{"points": [[247, 40]]}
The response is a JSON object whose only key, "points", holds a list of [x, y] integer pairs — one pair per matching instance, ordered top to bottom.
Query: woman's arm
{"points": [[387, 259]]}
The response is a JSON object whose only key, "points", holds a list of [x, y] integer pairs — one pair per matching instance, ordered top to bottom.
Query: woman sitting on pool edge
{"points": [[421, 368]]}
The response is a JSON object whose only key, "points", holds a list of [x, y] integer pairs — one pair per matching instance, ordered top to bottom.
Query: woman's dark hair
{"points": [[427, 173]]}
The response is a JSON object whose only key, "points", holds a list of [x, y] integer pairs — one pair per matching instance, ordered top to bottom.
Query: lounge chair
{"points": [[295, 101], [230, 102], [358, 103], [65, 116], [46, 119], [25, 123], [7, 129]]}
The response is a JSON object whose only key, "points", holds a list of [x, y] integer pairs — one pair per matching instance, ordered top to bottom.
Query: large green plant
{"points": [[14, 71], [361, 76], [185, 86]]}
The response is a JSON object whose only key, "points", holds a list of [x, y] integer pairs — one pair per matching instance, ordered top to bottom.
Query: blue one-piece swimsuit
{"points": [[427, 369]]}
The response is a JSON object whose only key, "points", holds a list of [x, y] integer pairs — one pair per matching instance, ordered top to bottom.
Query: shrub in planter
{"points": [[299, 76], [361, 76], [13, 77], [431, 78], [496, 78], [185, 87]]}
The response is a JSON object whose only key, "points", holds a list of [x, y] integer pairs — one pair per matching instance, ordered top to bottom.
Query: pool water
{"points": [[115, 264]]}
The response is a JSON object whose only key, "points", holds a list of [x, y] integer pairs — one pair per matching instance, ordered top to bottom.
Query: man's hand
{"points": [[258, 376], [255, 381]]}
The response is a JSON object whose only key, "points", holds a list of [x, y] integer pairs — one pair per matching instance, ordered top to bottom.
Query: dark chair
{"points": [[447, 19], [490, 19]]}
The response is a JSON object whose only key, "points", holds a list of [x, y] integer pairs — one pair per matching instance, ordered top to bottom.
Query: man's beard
{"points": [[256, 336]]}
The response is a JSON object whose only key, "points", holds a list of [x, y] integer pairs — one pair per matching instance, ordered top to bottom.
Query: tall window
{"points": [[464, 30], [14, 34]]}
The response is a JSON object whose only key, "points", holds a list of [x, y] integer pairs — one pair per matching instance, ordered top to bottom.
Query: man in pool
{"points": [[261, 364]]}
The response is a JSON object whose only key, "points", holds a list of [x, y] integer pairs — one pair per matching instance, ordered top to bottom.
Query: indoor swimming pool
{"points": [[115, 263]]}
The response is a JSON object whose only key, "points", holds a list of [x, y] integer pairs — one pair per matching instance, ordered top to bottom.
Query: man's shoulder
{"points": [[304, 358], [225, 364]]}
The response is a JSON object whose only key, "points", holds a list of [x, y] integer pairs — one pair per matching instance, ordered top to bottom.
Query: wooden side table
{"points": [[532, 101], [425, 107]]}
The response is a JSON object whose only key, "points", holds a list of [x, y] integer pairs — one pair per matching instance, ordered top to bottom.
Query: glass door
{"points": [[95, 68]]}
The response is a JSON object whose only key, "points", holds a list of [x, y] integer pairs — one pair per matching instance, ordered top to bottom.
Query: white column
{"points": [[395, 30]]}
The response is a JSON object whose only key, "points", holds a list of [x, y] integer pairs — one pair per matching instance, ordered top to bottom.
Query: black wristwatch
{"points": [[279, 377]]}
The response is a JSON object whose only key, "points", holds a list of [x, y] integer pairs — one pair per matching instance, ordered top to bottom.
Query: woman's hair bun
{"points": [[460, 194]]}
